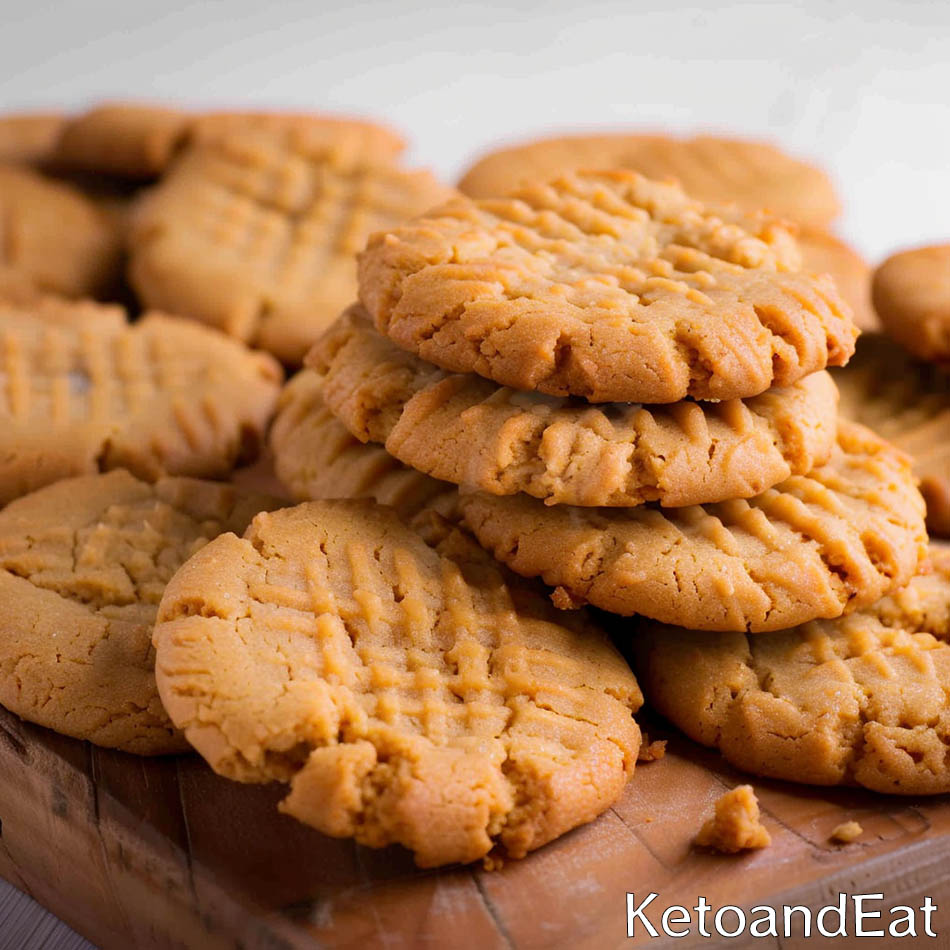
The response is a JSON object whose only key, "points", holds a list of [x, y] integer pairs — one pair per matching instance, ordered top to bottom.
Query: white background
{"points": [[862, 86]]}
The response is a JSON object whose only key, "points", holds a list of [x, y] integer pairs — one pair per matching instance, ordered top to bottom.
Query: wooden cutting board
{"points": [[157, 853], [161, 853]]}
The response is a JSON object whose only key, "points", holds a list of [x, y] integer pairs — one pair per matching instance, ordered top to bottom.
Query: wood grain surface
{"points": [[158, 853], [142, 854]]}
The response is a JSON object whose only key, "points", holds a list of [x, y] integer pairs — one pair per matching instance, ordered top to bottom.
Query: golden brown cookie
{"points": [[28, 138], [140, 141], [752, 174], [56, 237], [258, 237], [823, 253], [609, 286], [911, 293], [83, 391], [908, 403], [464, 429], [316, 458], [816, 545], [83, 564], [407, 693], [861, 700]]}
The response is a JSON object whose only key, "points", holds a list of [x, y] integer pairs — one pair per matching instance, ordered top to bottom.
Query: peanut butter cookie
{"points": [[754, 175], [257, 236], [609, 286], [911, 292], [83, 391], [464, 429], [816, 545], [83, 564], [408, 693], [861, 700]]}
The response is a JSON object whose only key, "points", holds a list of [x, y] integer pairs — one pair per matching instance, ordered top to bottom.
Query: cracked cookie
{"points": [[752, 174], [256, 235], [609, 286], [911, 293], [83, 391], [908, 403], [464, 429], [316, 458], [816, 545], [83, 564], [406, 691], [861, 700]]}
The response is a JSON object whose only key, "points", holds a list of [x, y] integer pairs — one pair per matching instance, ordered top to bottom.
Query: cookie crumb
{"points": [[563, 599], [651, 751], [735, 826], [846, 832], [492, 862]]}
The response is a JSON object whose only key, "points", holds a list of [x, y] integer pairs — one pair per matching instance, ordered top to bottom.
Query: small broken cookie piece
{"points": [[651, 751], [735, 826], [846, 832]]}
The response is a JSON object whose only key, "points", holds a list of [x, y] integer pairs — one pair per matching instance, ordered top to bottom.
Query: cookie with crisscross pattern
{"points": [[257, 235], [609, 286], [83, 391], [462, 428], [815, 545], [83, 564], [408, 693], [860, 700]]}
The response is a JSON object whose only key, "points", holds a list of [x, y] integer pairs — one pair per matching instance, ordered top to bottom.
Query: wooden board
{"points": [[137, 853], [161, 853]]}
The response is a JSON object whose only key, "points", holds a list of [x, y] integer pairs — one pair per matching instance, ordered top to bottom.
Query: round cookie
{"points": [[28, 138], [140, 141], [754, 175], [257, 236], [56, 237], [823, 253], [609, 286], [911, 293], [82, 391], [908, 403], [464, 429], [316, 458], [816, 545], [83, 564], [407, 693], [861, 700]]}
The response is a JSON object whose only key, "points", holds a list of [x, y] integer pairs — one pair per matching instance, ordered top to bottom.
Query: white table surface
{"points": [[863, 88]]}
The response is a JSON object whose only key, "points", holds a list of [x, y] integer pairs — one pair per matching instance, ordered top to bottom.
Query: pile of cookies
{"points": [[588, 389]]}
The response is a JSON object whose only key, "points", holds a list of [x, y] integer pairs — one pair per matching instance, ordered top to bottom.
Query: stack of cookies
{"points": [[628, 389]]}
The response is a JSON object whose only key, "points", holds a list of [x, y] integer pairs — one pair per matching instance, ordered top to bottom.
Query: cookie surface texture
{"points": [[29, 138], [140, 141], [754, 175], [257, 236], [55, 237], [609, 286], [911, 292], [83, 391], [908, 403], [464, 429], [316, 457], [816, 545], [83, 564], [406, 693], [861, 700]]}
